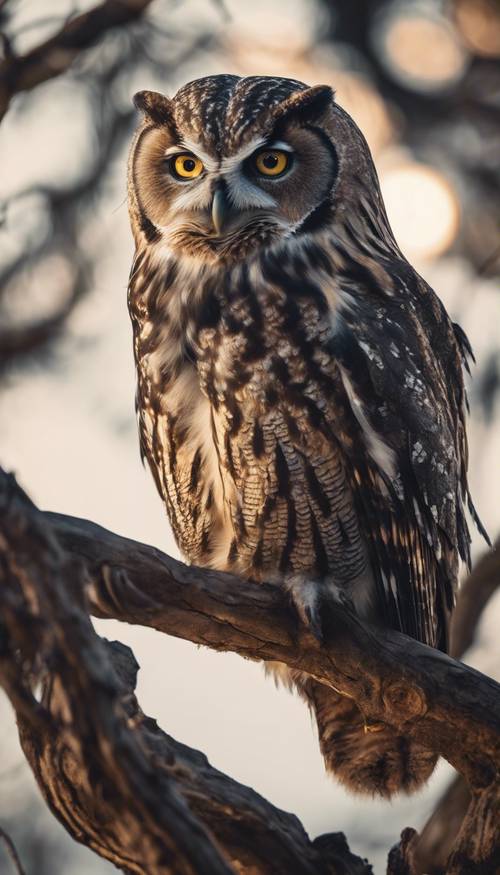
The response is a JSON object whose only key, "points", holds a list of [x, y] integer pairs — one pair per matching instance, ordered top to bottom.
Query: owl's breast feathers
{"points": [[305, 416]]}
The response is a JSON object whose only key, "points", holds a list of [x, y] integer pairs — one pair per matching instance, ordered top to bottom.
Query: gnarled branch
{"points": [[49, 560], [394, 679], [116, 781]]}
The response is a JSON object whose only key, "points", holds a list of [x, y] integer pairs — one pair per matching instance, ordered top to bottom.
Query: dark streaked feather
{"points": [[403, 360]]}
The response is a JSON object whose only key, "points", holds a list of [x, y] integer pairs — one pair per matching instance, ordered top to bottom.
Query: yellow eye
{"points": [[271, 162], [187, 166]]}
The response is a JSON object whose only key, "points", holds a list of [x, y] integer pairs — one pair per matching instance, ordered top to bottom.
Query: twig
{"points": [[55, 55], [489, 261], [474, 595], [12, 852]]}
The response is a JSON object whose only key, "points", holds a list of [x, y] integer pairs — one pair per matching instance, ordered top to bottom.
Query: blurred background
{"points": [[422, 80]]}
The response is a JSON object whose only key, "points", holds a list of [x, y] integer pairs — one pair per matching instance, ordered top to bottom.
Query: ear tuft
{"points": [[308, 105], [155, 106]]}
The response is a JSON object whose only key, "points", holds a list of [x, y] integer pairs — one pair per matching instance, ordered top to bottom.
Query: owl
{"points": [[300, 393]]}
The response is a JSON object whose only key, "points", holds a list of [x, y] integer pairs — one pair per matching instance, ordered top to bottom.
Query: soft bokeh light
{"points": [[479, 23], [264, 30], [419, 46], [423, 209]]}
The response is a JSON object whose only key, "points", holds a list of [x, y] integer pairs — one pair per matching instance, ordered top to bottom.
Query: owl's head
{"points": [[231, 165]]}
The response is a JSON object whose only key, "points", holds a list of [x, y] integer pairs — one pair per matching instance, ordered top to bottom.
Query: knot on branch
{"points": [[408, 701]]}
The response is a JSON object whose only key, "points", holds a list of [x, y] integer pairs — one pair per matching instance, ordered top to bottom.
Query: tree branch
{"points": [[55, 55], [475, 594], [393, 678], [446, 706], [116, 781], [433, 847], [12, 852]]}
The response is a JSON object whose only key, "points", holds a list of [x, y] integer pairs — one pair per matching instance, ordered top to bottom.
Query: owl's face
{"points": [[229, 166]]}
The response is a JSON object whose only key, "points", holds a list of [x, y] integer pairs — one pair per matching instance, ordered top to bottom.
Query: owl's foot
{"points": [[308, 596]]}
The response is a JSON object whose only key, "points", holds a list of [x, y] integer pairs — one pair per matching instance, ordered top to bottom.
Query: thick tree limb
{"points": [[55, 55], [394, 679], [443, 704], [116, 781], [131, 813]]}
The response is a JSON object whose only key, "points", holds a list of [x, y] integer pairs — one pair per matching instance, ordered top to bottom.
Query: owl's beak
{"points": [[220, 209]]}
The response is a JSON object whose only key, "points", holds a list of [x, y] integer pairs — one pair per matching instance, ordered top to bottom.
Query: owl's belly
{"points": [[250, 467], [267, 500], [294, 514]]}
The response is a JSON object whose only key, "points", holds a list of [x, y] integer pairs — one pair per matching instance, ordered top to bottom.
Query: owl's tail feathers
{"points": [[377, 762]]}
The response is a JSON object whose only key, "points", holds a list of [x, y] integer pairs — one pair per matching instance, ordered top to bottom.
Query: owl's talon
{"points": [[307, 600], [313, 622]]}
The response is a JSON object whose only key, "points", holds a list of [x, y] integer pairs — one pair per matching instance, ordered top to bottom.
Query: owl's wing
{"points": [[401, 389]]}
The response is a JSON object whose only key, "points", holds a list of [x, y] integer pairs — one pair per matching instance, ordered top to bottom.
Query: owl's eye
{"points": [[272, 162], [186, 166]]}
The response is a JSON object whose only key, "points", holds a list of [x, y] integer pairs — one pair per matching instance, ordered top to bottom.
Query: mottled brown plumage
{"points": [[300, 391]]}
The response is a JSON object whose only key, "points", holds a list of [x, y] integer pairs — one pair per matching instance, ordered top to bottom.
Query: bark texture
{"points": [[123, 787]]}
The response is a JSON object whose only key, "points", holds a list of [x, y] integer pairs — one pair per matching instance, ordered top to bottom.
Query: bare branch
{"points": [[55, 55], [23, 340], [474, 595], [167, 596], [394, 679], [446, 706], [114, 779], [134, 816], [439, 833], [436, 840], [11, 850]]}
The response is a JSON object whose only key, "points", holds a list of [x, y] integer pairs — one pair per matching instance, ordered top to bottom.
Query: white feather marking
{"points": [[281, 145], [243, 194], [195, 195], [372, 354], [165, 356], [186, 401], [380, 452]]}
